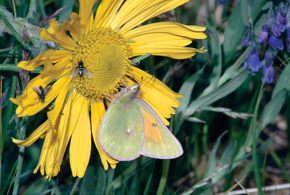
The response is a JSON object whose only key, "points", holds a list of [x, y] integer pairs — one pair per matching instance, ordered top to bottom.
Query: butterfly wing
{"points": [[121, 132], [159, 142]]}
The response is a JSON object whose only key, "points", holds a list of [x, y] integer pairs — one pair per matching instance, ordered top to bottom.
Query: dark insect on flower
{"points": [[276, 43], [80, 70], [269, 72], [41, 92]]}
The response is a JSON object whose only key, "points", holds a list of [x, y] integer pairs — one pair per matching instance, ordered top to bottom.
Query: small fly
{"points": [[80, 70], [41, 92]]}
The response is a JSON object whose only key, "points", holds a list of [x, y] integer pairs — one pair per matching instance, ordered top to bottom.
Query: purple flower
{"points": [[221, 1], [281, 21], [275, 30], [263, 35], [246, 38], [288, 39], [276, 43], [269, 57], [253, 61], [269, 72]]}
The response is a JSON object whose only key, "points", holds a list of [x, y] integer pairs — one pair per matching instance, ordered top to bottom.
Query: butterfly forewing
{"points": [[122, 133], [159, 142]]}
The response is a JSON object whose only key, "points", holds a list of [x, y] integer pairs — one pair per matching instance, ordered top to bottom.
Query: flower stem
{"points": [[14, 32], [18, 171], [163, 180]]}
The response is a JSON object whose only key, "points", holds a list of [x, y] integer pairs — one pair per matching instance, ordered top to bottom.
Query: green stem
{"points": [[31, 9], [14, 32], [13, 68], [254, 141], [1, 149], [18, 171], [163, 180], [146, 191]]}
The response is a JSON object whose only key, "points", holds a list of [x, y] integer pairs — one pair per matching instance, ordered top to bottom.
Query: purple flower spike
{"points": [[281, 21], [275, 30], [263, 35], [288, 39], [276, 43], [269, 57], [253, 61], [269, 72]]}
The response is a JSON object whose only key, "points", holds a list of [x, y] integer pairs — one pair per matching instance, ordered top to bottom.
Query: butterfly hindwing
{"points": [[122, 133], [159, 142]]}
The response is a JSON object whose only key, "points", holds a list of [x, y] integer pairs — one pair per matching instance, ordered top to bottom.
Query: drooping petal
{"points": [[106, 10], [134, 13], [86, 14], [73, 26], [173, 28], [58, 35], [53, 55], [56, 69], [97, 112], [53, 115], [68, 120], [34, 136], [80, 146], [47, 156]]}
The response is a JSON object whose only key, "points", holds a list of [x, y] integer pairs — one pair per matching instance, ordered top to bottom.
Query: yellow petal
{"points": [[105, 9], [86, 14], [133, 14], [104, 16], [73, 26], [172, 28], [58, 35], [159, 39], [175, 52], [53, 55], [56, 69], [160, 97], [31, 103], [97, 113], [53, 115], [68, 120], [34, 136], [80, 146], [45, 159]]}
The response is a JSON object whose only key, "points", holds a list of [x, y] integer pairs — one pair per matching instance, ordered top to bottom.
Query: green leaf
{"points": [[64, 14], [234, 30], [216, 59], [283, 82], [217, 94], [273, 108], [211, 166], [89, 182]]}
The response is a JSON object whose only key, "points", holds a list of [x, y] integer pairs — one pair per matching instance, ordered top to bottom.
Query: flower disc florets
{"points": [[105, 54]]}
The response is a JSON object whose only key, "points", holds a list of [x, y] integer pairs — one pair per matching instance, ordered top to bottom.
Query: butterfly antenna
{"points": [[124, 81], [146, 82]]}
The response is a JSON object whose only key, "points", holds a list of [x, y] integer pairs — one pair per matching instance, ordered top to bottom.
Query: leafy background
{"points": [[234, 129]]}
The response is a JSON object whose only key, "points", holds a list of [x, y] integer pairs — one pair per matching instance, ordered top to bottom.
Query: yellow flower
{"points": [[104, 44]]}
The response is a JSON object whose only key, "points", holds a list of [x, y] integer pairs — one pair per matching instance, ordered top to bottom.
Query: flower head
{"points": [[263, 35], [276, 43], [94, 60], [253, 60], [268, 74]]}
